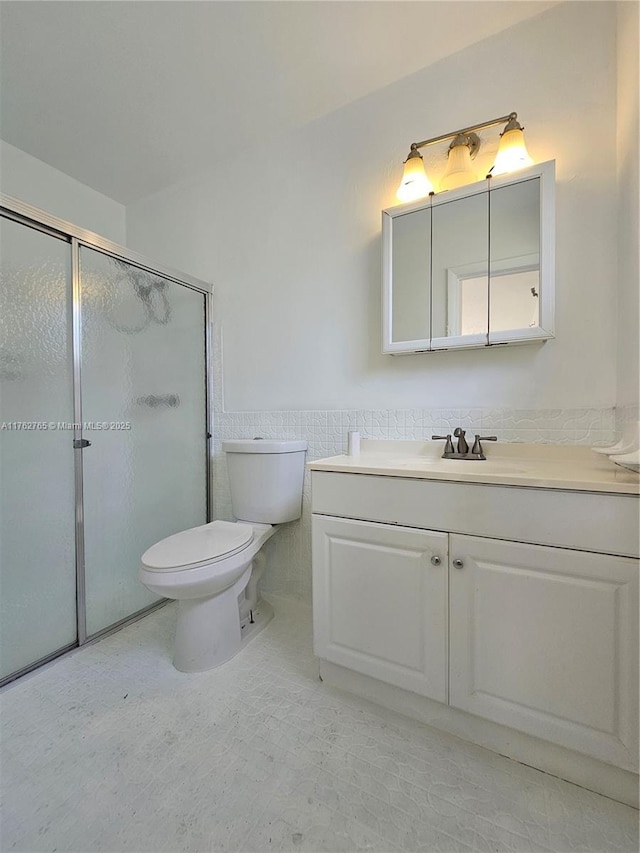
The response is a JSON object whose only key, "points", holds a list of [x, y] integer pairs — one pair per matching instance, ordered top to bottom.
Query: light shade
{"points": [[512, 152], [459, 171], [415, 183]]}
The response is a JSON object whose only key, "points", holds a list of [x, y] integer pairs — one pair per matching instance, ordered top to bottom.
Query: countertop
{"points": [[538, 466]]}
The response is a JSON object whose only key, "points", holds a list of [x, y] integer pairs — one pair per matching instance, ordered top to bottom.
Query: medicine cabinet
{"points": [[472, 267]]}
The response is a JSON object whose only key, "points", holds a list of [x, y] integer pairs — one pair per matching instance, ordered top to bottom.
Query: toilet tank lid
{"points": [[263, 445]]}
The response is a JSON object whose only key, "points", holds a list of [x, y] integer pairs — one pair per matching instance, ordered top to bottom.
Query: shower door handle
{"points": [[80, 443]]}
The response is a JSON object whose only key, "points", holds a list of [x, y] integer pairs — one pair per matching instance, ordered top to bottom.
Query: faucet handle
{"points": [[477, 447], [448, 448]]}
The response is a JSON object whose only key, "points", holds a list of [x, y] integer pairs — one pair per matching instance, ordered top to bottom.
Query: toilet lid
{"points": [[198, 545]]}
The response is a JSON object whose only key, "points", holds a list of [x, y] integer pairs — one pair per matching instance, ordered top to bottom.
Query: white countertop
{"points": [[539, 466]]}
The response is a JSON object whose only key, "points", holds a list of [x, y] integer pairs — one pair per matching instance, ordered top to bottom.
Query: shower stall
{"points": [[104, 429]]}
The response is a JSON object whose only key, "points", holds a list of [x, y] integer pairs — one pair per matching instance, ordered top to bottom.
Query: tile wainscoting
{"points": [[625, 414], [289, 552]]}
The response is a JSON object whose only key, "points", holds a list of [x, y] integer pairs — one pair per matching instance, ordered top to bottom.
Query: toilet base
{"points": [[208, 629]]}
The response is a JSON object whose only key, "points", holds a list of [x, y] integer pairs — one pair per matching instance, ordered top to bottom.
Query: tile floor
{"points": [[111, 749]]}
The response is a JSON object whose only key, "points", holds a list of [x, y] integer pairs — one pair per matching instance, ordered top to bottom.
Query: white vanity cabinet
{"points": [[380, 595], [539, 636], [545, 640]]}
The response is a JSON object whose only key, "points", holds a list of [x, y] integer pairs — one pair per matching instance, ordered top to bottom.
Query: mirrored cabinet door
{"points": [[411, 263], [459, 272], [514, 284]]}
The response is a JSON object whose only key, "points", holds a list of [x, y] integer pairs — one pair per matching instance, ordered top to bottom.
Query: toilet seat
{"points": [[198, 546]]}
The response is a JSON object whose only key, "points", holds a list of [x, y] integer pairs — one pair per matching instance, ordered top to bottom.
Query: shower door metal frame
{"points": [[77, 237]]}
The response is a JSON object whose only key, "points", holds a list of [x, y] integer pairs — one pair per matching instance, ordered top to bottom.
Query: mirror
{"points": [[460, 253], [411, 264], [472, 267]]}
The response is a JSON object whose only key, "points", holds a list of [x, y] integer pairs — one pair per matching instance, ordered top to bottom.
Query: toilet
{"points": [[213, 570]]}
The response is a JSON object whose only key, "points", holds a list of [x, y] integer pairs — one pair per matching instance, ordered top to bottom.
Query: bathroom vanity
{"points": [[497, 599]]}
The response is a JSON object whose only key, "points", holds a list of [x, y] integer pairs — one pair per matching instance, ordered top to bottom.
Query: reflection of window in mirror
{"points": [[515, 298], [515, 301]]}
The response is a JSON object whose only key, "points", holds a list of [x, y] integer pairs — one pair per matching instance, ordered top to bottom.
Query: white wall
{"points": [[628, 134], [30, 180], [290, 233]]}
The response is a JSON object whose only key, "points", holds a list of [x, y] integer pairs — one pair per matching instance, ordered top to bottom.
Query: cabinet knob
{"points": [[435, 561], [458, 564]]}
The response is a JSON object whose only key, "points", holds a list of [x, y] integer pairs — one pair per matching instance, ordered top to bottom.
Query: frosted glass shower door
{"points": [[144, 412], [37, 502]]}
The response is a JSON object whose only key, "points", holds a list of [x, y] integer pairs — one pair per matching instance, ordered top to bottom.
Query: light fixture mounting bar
{"points": [[465, 130]]}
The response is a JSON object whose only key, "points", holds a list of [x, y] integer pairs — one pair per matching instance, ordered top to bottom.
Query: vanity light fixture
{"points": [[512, 154], [459, 171]]}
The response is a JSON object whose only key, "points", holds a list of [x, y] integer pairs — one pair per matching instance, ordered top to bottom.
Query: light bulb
{"points": [[512, 152], [459, 172], [415, 183]]}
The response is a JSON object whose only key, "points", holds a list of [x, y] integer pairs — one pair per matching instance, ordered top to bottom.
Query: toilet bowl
{"points": [[205, 569], [212, 570]]}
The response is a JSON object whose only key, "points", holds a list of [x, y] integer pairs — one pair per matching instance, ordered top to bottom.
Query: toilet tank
{"points": [[265, 477]]}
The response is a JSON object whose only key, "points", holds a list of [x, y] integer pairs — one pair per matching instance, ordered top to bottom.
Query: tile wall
{"points": [[625, 414]]}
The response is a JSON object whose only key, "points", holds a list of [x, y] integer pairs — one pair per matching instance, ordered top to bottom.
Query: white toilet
{"points": [[213, 570]]}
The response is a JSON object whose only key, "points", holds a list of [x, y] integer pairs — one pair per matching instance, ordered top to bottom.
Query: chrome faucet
{"points": [[463, 447], [462, 451]]}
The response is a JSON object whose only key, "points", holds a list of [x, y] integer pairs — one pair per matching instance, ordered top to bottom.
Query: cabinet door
{"points": [[380, 603], [545, 640]]}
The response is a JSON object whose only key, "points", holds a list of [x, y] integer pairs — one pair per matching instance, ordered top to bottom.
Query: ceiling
{"points": [[130, 97]]}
